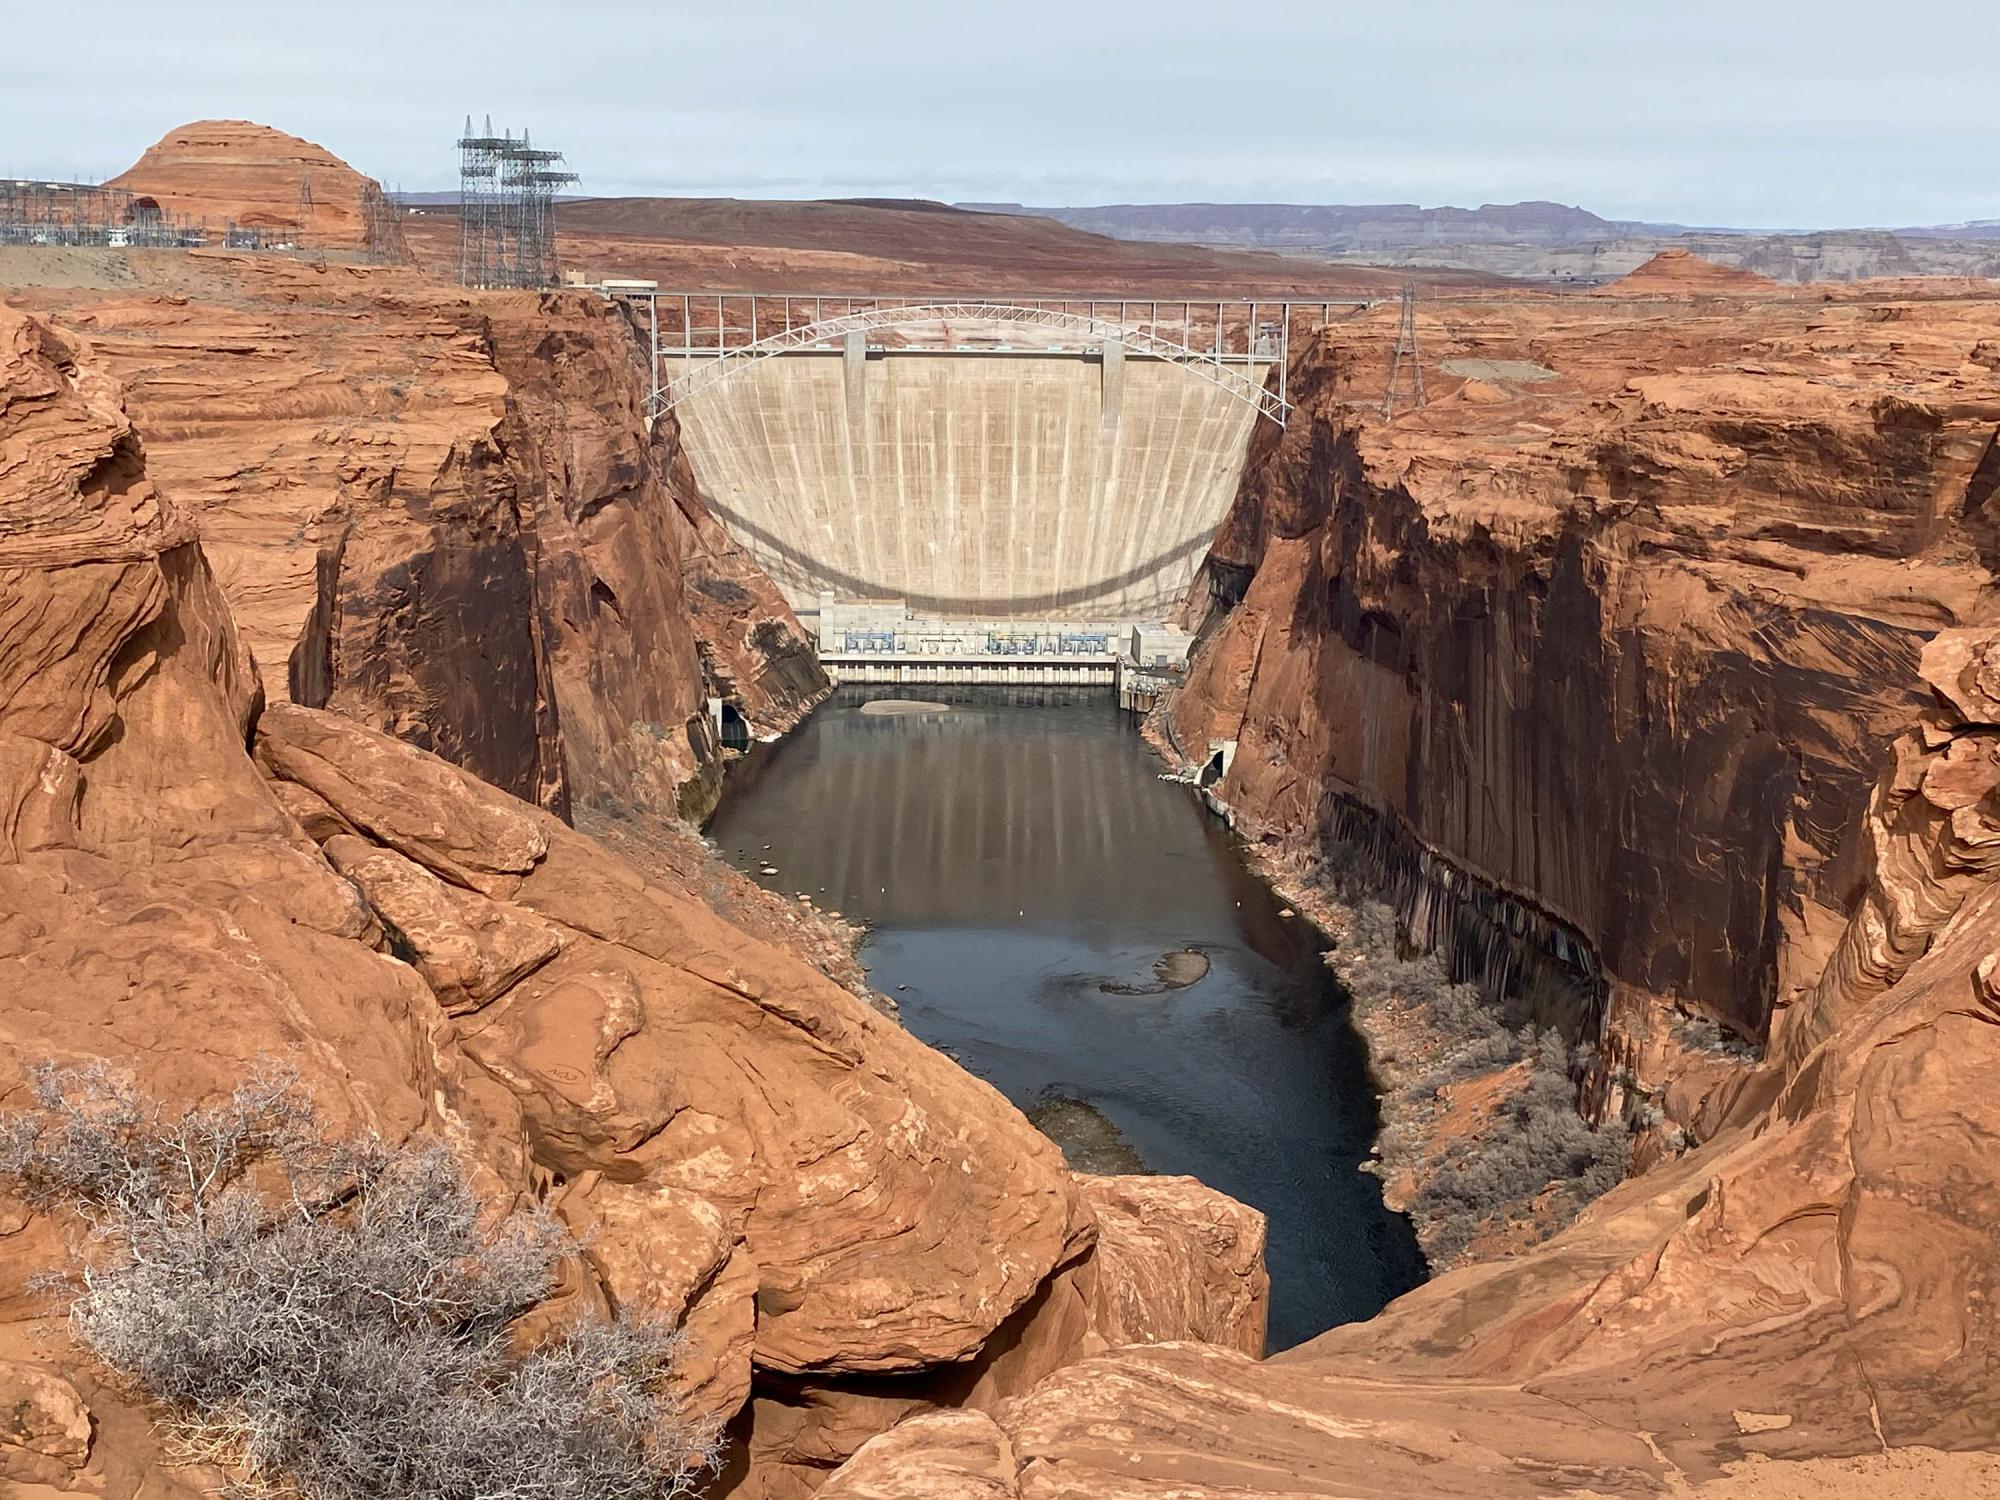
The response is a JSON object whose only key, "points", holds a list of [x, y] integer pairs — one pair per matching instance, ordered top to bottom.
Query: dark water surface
{"points": [[1020, 862]]}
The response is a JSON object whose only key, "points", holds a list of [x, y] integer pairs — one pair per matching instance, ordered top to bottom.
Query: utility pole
{"points": [[1406, 370]]}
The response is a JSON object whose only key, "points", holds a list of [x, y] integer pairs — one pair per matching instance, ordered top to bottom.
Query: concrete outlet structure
{"points": [[1062, 484], [879, 640]]}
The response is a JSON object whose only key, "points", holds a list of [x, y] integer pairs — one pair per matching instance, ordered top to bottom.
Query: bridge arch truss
{"points": [[1241, 335]]}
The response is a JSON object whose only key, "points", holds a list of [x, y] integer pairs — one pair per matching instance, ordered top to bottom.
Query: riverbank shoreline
{"points": [[1051, 914], [1437, 1113]]}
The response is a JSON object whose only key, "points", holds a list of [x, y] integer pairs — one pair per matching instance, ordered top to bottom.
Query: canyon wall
{"points": [[444, 515], [1618, 628], [194, 874], [1801, 1301]]}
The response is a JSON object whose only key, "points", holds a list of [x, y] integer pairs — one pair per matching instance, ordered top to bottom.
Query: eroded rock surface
{"points": [[222, 171], [442, 514], [1626, 644], [193, 878], [44, 1426]]}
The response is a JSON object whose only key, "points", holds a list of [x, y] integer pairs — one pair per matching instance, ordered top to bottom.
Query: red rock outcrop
{"points": [[233, 170], [1681, 273], [442, 514], [1627, 646], [1934, 829], [827, 1208], [1803, 1305]]}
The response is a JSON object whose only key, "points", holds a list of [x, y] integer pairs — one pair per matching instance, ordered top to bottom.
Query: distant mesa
{"points": [[222, 170], [901, 205], [1681, 273]]}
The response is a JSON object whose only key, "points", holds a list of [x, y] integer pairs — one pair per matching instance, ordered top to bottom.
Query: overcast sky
{"points": [[1769, 113]]}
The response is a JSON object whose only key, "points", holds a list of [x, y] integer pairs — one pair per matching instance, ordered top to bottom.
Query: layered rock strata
{"points": [[237, 172], [444, 515], [1618, 627], [194, 877]]}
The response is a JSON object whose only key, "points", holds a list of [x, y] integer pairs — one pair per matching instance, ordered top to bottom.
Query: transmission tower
{"points": [[506, 209], [305, 219], [1406, 370]]}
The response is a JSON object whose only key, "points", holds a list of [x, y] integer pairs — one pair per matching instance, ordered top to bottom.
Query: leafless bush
{"points": [[1700, 1033], [1468, 1034], [1539, 1143], [1538, 1163], [330, 1317]]}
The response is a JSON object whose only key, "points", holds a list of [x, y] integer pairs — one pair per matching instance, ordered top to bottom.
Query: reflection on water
{"points": [[1034, 892]]}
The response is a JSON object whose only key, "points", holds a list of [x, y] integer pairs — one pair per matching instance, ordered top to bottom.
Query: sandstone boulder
{"points": [[451, 824], [468, 950], [1177, 1261], [45, 1428], [944, 1455]]}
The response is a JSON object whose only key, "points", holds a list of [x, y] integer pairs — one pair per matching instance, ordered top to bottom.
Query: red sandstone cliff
{"points": [[441, 514], [1627, 641], [193, 877]]}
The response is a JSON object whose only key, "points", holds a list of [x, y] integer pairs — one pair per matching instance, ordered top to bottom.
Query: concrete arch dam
{"points": [[987, 481]]}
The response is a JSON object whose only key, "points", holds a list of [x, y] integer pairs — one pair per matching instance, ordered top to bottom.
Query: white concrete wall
{"points": [[972, 485]]}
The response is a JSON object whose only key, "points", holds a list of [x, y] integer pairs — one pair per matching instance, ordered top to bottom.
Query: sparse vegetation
{"points": [[1701, 1034], [1540, 1144], [1536, 1163], [331, 1318]]}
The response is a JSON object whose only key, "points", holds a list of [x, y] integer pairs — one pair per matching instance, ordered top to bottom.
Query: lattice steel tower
{"points": [[506, 209], [305, 224], [1406, 370]]}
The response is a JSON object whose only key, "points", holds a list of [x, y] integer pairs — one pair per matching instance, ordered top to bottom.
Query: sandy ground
{"points": [[66, 266], [1900, 1474]]}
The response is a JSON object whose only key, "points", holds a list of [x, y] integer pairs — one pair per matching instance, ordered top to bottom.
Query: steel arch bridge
{"points": [[1240, 335]]}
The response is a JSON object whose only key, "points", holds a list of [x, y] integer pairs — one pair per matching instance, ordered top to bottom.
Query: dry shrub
{"points": [[1538, 1143], [332, 1318]]}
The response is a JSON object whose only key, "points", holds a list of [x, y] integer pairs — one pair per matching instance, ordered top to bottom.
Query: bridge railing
{"points": [[717, 323], [1209, 333]]}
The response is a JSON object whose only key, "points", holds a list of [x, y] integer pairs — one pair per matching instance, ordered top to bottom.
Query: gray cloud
{"points": [[1754, 112]]}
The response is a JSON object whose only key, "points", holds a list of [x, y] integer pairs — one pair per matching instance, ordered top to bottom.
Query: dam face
{"points": [[972, 484]]}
